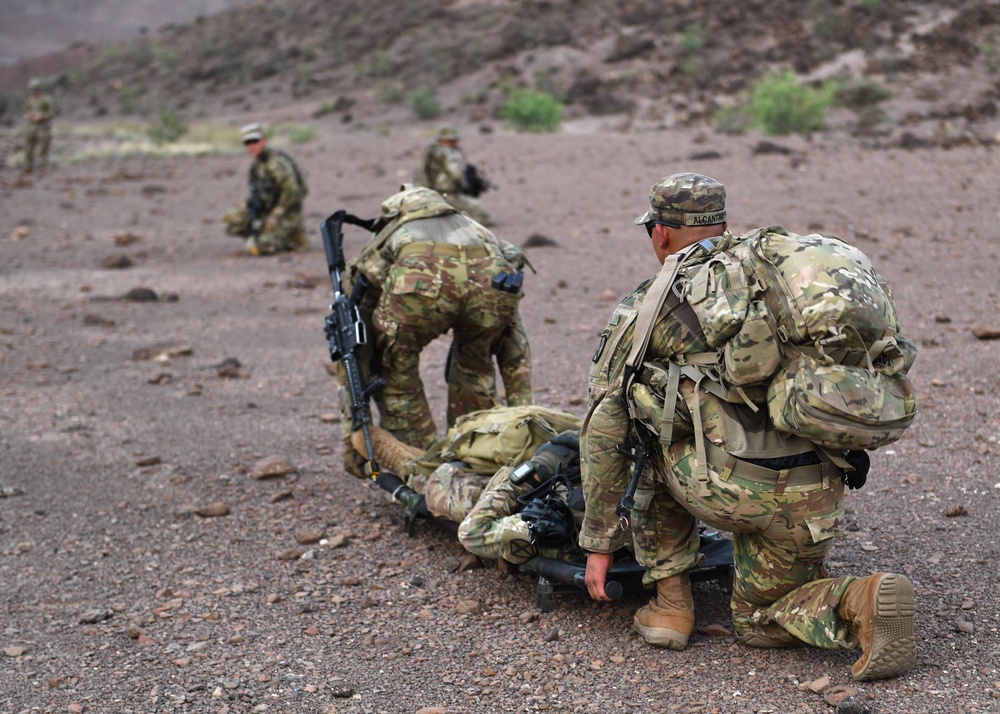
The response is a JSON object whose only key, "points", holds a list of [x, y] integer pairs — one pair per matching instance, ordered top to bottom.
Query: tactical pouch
{"points": [[509, 282], [719, 295], [752, 355], [841, 407]]}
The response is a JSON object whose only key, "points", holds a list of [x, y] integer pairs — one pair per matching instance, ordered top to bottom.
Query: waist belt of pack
{"points": [[451, 250], [730, 466]]}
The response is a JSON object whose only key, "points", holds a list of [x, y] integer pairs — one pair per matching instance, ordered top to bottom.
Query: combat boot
{"points": [[390, 452], [880, 610], [668, 619]]}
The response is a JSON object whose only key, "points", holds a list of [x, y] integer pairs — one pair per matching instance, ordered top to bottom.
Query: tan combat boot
{"points": [[391, 453], [880, 610], [668, 619]]}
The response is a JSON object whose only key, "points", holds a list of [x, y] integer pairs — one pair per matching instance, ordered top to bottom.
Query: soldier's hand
{"points": [[598, 565]]}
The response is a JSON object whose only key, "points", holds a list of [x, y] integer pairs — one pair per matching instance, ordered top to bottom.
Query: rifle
{"points": [[476, 183], [345, 333]]}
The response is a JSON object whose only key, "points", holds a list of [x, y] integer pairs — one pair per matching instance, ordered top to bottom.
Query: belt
{"points": [[428, 248], [803, 475]]}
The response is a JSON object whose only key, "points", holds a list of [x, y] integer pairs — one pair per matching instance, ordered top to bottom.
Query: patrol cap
{"points": [[34, 83], [251, 132], [448, 133], [686, 198]]}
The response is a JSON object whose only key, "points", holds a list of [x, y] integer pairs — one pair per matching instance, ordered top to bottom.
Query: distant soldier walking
{"points": [[38, 133], [443, 168], [271, 220]]}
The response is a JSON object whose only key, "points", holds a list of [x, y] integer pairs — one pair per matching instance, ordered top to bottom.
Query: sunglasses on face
{"points": [[248, 142], [653, 224]]}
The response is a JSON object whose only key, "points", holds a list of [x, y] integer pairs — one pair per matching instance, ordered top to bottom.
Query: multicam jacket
{"points": [[40, 106], [441, 168], [279, 181]]}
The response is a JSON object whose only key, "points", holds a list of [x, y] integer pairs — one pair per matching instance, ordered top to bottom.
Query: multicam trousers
{"points": [[37, 139], [279, 233], [428, 293], [781, 535]]}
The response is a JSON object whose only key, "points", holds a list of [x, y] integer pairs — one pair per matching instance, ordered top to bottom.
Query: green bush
{"points": [[388, 91], [424, 103], [780, 105], [532, 111], [168, 129]]}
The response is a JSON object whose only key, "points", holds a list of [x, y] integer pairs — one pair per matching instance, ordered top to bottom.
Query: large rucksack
{"points": [[805, 323], [490, 438]]}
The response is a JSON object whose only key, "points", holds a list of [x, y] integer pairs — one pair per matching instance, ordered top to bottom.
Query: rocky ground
{"points": [[156, 557]]}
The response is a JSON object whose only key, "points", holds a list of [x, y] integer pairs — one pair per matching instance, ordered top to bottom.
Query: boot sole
{"points": [[661, 636], [894, 649]]}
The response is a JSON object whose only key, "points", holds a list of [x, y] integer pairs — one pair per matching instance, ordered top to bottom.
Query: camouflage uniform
{"points": [[38, 133], [442, 168], [281, 186], [435, 270], [784, 519], [494, 528]]}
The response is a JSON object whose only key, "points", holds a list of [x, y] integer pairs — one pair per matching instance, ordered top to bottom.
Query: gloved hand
{"points": [[559, 454]]}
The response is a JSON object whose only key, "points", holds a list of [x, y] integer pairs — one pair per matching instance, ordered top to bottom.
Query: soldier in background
{"points": [[38, 133], [443, 168], [271, 220]]}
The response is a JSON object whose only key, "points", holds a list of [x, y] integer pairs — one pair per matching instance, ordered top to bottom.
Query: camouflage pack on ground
{"points": [[809, 318], [502, 436]]}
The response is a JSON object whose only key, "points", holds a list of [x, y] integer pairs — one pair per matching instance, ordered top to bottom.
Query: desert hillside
{"points": [[909, 71]]}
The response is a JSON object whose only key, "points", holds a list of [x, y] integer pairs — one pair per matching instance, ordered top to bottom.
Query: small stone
{"points": [[123, 239], [537, 240], [116, 262], [140, 295], [608, 295], [986, 333], [162, 351], [230, 368], [330, 418], [148, 461], [271, 467], [281, 496], [213, 510], [956, 512], [309, 537], [337, 541], [288, 554], [469, 561], [468, 607], [96, 615], [527, 616], [966, 627], [714, 630], [133, 631], [14, 650], [817, 685], [342, 692], [838, 693], [853, 705]]}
